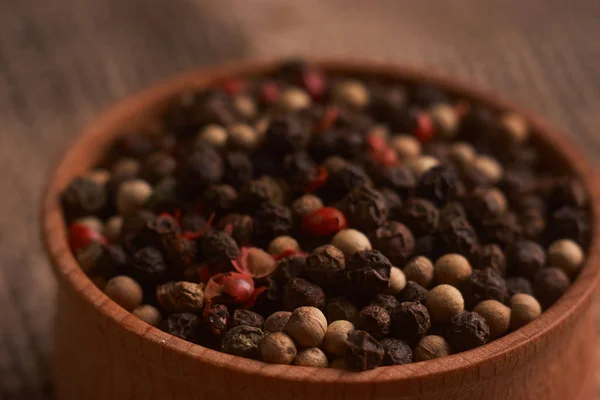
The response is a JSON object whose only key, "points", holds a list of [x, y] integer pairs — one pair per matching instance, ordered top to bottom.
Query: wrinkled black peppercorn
{"points": [[286, 134], [157, 167], [202, 168], [238, 169], [299, 169], [398, 178], [342, 182], [439, 185], [83, 197], [219, 199], [484, 204], [365, 208], [420, 215], [272, 220], [569, 223], [239, 226], [504, 230], [459, 237], [394, 240], [219, 247], [492, 256], [525, 258], [112, 261], [325, 264], [148, 267], [288, 268], [369, 271], [483, 284], [518, 284], [549, 284], [300, 292], [413, 292], [386, 301], [341, 308], [246, 317], [216, 319], [375, 320], [410, 322], [185, 326], [467, 330], [242, 341], [363, 351], [396, 352]]}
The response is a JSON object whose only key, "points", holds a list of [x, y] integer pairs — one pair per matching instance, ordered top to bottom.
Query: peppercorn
{"points": [[351, 93], [294, 99], [445, 119], [514, 128], [286, 134], [213, 135], [242, 136], [406, 146], [462, 153], [421, 164], [157, 167], [488, 167], [202, 168], [124, 169], [238, 169], [299, 169], [98, 175], [396, 177], [343, 181], [439, 185], [567, 192], [256, 193], [83, 197], [165, 197], [219, 199], [393, 202], [485, 203], [305, 205], [365, 208], [420, 215], [271, 220], [325, 221], [94, 223], [569, 223], [241, 227], [112, 228], [504, 230], [459, 237], [394, 240], [349, 241], [219, 247], [179, 251], [567, 255], [88, 256], [491, 256], [525, 258], [110, 262], [325, 264], [148, 267], [290, 267], [452, 269], [420, 270], [369, 271], [397, 281], [483, 284], [518, 284], [549, 284], [124, 291], [299, 292], [413, 292], [181, 296], [386, 301], [444, 302], [340, 308], [523, 309], [148, 314], [496, 314], [246, 317], [216, 319], [375, 320], [277, 321], [410, 322], [185, 326], [307, 326], [468, 330], [242, 341], [334, 342], [431, 347], [277, 348], [363, 352], [396, 352], [311, 357]]}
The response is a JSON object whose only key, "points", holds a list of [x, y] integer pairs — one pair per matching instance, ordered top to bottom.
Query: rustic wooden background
{"points": [[63, 61]]}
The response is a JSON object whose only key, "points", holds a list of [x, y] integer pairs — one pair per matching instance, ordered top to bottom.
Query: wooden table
{"points": [[63, 61]]}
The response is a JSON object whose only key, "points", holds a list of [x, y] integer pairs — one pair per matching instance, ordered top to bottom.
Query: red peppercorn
{"points": [[313, 80], [233, 86], [269, 92], [331, 115], [424, 129], [380, 151], [318, 181], [324, 222], [81, 236], [229, 287]]}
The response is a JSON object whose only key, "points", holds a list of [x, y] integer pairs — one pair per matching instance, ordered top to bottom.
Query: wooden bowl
{"points": [[104, 352]]}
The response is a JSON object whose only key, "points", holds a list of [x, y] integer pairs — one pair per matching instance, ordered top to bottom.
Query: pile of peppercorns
{"points": [[326, 220]]}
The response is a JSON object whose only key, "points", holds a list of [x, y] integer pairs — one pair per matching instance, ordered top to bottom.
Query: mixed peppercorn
{"points": [[325, 220]]}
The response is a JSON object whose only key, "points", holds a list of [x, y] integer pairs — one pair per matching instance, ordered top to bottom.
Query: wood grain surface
{"points": [[63, 61]]}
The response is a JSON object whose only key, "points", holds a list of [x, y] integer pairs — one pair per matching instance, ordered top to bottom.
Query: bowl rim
{"points": [[67, 270]]}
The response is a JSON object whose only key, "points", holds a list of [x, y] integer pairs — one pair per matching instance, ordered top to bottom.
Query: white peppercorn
{"points": [[352, 93], [294, 99], [245, 106], [445, 119], [515, 127], [213, 134], [242, 136], [406, 146], [462, 153], [421, 164], [126, 168], [489, 168], [100, 176], [132, 195], [306, 204], [112, 228], [349, 241], [283, 244], [567, 255], [452, 269], [420, 270], [397, 281], [124, 291], [443, 302], [523, 309], [148, 314], [496, 314], [276, 321], [307, 326], [335, 337], [431, 347], [277, 348], [312, 357]]}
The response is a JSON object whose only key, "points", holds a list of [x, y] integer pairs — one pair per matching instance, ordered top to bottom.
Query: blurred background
{"points": [[63, 61]]}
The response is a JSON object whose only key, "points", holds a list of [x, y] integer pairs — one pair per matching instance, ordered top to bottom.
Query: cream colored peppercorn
{"points": [[352, 92], [294, 99], [245, 106], [445, 118], [261, 127], [515, 127], [213, 134], [242, 136], [406, 146], [463, 153], [334, 164], [421, 164], [126, 168], [489, 168], [100, 176], [132, 195], [500, 199], [305, 205], [94, 223], [112, 228], [349, 241], [282, 244], [566, 255], [452, 269], [420, 270], [397, 281], [124, 291], [443, 302], [523, 309], [148, 314], [496, 314], [276, 321], [307, 326], [336, 336], [431, 347], [277, 348], [312, 357], [339, 363]]}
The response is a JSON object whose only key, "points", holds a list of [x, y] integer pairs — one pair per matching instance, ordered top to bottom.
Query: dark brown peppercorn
{"points": [[286, 134], [350, 143], [157, 167], [202, 168], [238, 169], [299, 169], [398, 178], [342, 182], [439, 185], [567, 192], [256, 193], [83, 197], [218, 199], [393, 202], [485, 203], [365, 208], [452, 210], [420, 215], [271, 220], [193, 222], [570, 223], [240, 227], [504, 230], [459, 237], [394, 240], [430, 246], [219, 247], [179, 251], [492, 256], [525, 258], [112, 261], [325, 264], [148, 267], [288, 268], [369, 271], [483, 284], [518, 284], [549, 284], [300, 292], [412, 292], [386, 301], [341, 308], [246, 317], [216, 319], [375, 320], [410, 322], [185, 326], [467, 331], [242, 341], [363, 351], [396, 352]]}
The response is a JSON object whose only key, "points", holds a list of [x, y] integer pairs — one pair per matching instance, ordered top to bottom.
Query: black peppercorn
{"points": [[479, 120], [286, 134], [324, 144], [350, 144], [157, 167], [202, 168], [238, 169], [299, 169], [398, 178], [342, 182], [439, 185], [567, 192], [256, 193], [83, 197], [165, 197], [219, 199], [393, 202], [485, 203], [365, 208], [452, 210], [420, 215], [271, 220], [193, 222], [569, 223], [133, 224], [241, 227], [504, 230], [459, 237], [394, 240], [430, 246], [219, 247], [179, 251], [492, 256], [525, 258], [112, 261], [325, 264], [148, 267], [288, 268], [369, 271], [483, 284], [518, 284], [549, 284], [413, 292], [300, 293], [386, 301], [341, 308], [246, 317], [216, 319], [375, 320], [410, 322], [185, 326], [468, 330], [242, 341], [363, 351], [396, 352]]}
